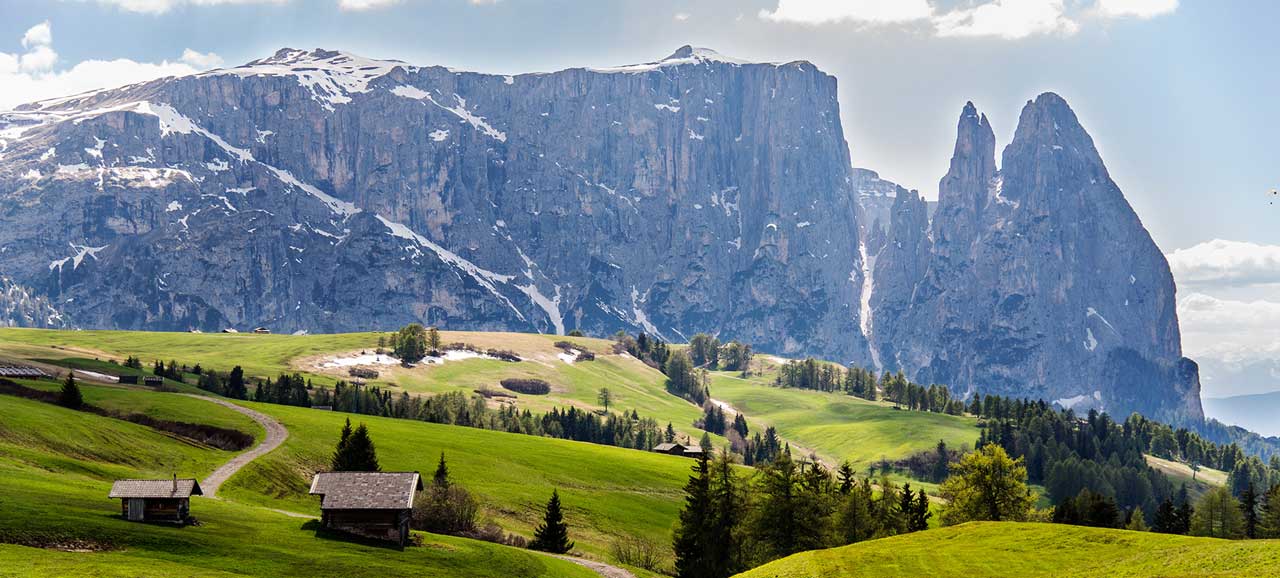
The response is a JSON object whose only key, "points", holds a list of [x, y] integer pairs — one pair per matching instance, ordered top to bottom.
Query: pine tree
{"points": [[433, 341], [235, 384], [70, 395], [705, 443], [338, 462], [942, 468], [845, 475], [441, 477], [1249, 509], [920, 516], [1137, 521], [1166, 521], [1270, 521], [553, 534], [692, 536], [725, 554]]}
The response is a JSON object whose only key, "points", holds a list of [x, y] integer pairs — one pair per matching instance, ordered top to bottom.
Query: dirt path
{"points": [[276, 434], [599, 567]]}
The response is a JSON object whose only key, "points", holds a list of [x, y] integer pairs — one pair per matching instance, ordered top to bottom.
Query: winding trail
{"points": [[276, 434]]}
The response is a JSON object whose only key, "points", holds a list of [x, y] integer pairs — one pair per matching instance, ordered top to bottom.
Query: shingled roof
{"points": [[179, 488], [366, 490]]}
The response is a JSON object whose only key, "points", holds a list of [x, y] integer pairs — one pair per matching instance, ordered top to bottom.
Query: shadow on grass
{"points": [[340, 536]]}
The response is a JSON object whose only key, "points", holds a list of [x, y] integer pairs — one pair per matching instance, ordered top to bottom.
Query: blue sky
{"points": [[1181, 97]]}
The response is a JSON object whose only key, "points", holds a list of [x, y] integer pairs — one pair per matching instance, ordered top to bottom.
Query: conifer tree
{"points": [[433, 341], [235, 384], [70, 395], [355, 451], [338, 462], [845, 475], [441, 477], [727, 506], [1249, 510], [921, 514], [1137, 521], [1166, 521], [1269, 523], [553, 534], [692, 536]]}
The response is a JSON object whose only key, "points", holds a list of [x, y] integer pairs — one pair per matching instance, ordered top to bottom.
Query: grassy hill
{"points": [[837, 426], [56, 467], [1198, 482], [995, 549]]}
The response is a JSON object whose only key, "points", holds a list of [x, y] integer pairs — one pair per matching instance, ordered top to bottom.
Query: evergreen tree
{"points": [[433, 341], [411, 343], [235, 384], [70, 395], [605, 397], [740, 425], [705, 443], [355, 451], [942, 467], [441, 477], [845, 477], [1249, 511], [1185, 512], [1217, 515], [920, 516], [1137, 521], [1166, 521], [854, 522], [1269, 523], [553, 534], [692, 536], [725, 553]]}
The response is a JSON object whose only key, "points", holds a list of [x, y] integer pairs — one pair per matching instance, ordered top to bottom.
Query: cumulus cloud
{"points": [[162, 6], [1136, 8], [858, 11], [1006, 19], [1010, 19], [205, 60], [32, 75], [1226, 263], [1228, 330]]}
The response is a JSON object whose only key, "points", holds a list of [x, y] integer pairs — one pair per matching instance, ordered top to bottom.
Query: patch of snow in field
{"points": [[568, 356], [363, 359]]}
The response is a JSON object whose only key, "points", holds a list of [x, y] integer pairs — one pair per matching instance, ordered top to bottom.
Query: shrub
{"points": [[503, 354], [586, 356], [364, 372], [527, 385], [489, 392], [446, 510], [491, 532], [638, 552]]}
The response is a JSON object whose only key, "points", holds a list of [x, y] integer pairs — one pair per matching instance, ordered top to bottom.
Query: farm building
{"points": [[262, 330], [129, 379], [152, 381], [675, 449], [155, 500], [371, 504]]}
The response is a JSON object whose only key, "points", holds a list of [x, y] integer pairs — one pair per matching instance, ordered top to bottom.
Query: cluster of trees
{"points": [[414, 342], [651, 350], [706, 351], [170, 371], [686, 381], [861, 382], [231, 384], [285, 390], [355, 451], [1069, 455], [446, 507], [729, 524]]}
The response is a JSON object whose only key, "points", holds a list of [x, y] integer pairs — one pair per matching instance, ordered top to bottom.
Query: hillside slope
{"points": [[1022, 550]]}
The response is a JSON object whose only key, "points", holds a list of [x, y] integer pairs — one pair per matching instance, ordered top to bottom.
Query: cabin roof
{"points": [[665, 447], [179, 488], [366, 490]]}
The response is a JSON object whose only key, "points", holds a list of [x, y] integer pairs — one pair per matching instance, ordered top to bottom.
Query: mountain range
{"points": [[322, 191]]}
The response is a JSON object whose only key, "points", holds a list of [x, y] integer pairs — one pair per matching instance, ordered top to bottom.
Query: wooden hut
{"points": [[129, 379], [152, 381], [677, 449], [156, 500], [375, 505]]}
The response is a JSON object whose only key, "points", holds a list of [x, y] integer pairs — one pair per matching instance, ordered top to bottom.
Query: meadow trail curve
{"points": [[276, 434], [600, 568]]}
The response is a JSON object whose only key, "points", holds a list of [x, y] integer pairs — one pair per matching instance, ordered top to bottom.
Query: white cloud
{"points": [[362, 5], [162, 6], [1136, 8], [857, 11], [681, 16], [1005, 19], [1009, 19], [39, 35], [200, 60], [31, 76], [1226, 263], [1227, 330]]}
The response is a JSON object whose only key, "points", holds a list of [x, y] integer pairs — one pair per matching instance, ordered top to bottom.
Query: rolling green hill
{"points": [[837, 426], [56, 467], [1025, 550]]}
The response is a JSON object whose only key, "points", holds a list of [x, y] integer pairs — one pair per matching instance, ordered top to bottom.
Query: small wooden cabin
{"points": [[261, 330], [129, 379], [152, 381], [677, 449], [156, 500], [375, 505]]}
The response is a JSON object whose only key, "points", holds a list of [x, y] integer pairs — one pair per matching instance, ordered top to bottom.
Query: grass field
{"points": [[841, 427], [56, 466], [1197, 482], [606, 491], [996, 549]]}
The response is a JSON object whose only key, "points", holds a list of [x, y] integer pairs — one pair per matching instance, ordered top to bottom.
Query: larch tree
{"points": [[987, 485]]}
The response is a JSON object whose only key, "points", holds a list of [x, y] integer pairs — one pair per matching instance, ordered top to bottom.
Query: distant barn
{"points": [[262, 330], [22, 371], [129, 379], [153, 381], [676, 449], [155, 500], [371, 504]]}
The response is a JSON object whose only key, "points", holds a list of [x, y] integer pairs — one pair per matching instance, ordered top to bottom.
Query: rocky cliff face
{"points": [[321, 191], [1039, 279], [21, 307]]}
